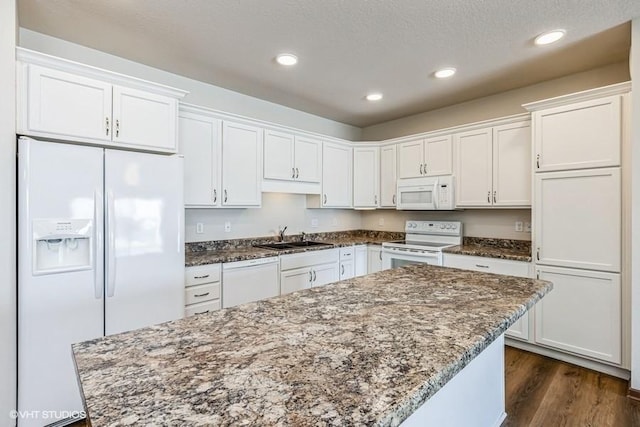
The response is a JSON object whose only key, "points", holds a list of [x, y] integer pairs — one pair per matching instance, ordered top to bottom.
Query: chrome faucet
{"points": [[281, 233]]}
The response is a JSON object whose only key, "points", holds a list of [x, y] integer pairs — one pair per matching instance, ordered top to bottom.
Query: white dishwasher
{"points": [[251, 280]]}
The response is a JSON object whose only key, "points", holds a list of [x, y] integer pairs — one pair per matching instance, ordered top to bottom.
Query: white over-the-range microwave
{"points": [[432, 193]]}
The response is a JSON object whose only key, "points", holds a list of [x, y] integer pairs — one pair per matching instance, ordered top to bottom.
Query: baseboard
{"points": [[569, 358], [633, 394]]}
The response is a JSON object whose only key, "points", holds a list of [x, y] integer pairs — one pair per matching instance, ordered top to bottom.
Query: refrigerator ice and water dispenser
{"points": [[62, 245]]}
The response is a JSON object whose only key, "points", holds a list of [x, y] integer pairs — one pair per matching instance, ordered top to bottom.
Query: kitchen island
{"points": [[366, 351]]}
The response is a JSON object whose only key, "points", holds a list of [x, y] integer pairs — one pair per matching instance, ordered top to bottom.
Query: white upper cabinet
{"points": [[65, 100], [65, 104], [144, 119], [578, 136], [199, 143], [278, 155], [438, 156], [425, 157], [308, 159], [411, 159], [292, 163], [512, 164], [241, 165], [493, 166], [474, 172], [337, 175], [388, 176], [365, 177], [578, 219]]}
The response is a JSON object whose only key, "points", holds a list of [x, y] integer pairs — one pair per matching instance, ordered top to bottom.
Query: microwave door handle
{"points": [[436, 193]]}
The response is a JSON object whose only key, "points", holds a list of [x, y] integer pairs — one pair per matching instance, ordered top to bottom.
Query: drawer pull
{"points": [[482, 266], [201, 277], [201, 295]]}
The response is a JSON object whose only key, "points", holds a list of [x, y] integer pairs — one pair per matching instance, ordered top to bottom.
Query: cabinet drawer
{"points": [[346, 253], [488, 265], [202, 274], [202, 293], [203, 307]]}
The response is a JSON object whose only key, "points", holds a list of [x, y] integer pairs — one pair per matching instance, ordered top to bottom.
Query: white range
{"points": [[423, 244]]}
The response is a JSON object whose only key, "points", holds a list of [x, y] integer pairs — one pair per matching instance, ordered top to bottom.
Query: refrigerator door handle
{"points": [[97, 243], [111, 245]]}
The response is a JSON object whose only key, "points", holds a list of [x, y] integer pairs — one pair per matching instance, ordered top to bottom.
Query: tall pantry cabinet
{"points": [[578, 220]]}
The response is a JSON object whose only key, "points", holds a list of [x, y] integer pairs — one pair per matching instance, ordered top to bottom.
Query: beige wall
{"points": [[201, 93], [499, 105], [635, 204], [277, 210], [7, 212], [499, 223]]}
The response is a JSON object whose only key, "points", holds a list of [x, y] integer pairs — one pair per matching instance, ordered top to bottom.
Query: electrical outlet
{"points": [[335, 221], [381, 221], [314, 222], [519, 226], [227, 227], [527, 227], [199, 228]]}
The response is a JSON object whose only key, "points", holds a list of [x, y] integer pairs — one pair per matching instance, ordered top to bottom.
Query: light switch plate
{"points": [[381, 220], [314, 222], [519, 226], [227, 227], [199, 228]]}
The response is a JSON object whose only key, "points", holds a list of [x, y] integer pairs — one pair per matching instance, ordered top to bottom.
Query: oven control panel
{"points": [[449, 228]]}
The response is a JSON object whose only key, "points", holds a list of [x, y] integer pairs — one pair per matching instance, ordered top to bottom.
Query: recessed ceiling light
{"points": [[549, 37], [287, 59], [445, 72], [374, 97]]}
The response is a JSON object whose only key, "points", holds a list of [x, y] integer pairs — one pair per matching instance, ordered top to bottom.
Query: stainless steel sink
{"points": [[306, 243], [291, 245]]}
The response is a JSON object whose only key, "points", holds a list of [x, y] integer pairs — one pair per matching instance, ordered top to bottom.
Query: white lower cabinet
{"points": [[374, 258], [361, 260], [347, 262], [308, 269], [202, 289], [582, 314], [520, 329]]}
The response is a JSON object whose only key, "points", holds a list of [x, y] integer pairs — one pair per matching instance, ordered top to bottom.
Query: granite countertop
{"points": [[243, 249], [514, 250], [364, 351]]}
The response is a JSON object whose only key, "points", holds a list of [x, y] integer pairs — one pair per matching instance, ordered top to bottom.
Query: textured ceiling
{"points": [[348, 48]]}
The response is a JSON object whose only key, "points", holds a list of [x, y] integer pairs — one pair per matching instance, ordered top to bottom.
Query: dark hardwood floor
{"points": [[543, 392]]}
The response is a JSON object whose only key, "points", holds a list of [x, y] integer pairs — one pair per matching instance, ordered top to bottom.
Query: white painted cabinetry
{"points": [[65, 100], [579, 135], [199, 142], [289, 157], [425, 157], [241, 165], [493, 166], [388, 176], [365, 177], [337, 178], [577, 219], [361, 260], [374, 261], [347, 262], [308, 269], [202, 289], [582, 314], [520, 329]]}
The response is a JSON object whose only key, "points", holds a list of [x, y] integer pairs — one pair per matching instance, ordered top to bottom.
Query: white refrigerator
{"points": [[100, 251]]}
